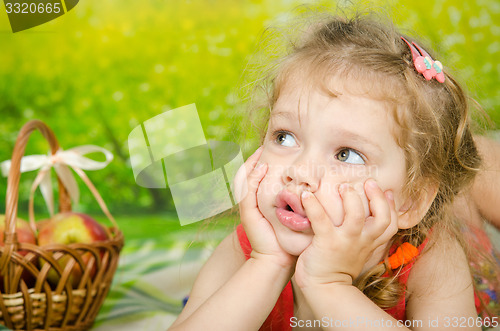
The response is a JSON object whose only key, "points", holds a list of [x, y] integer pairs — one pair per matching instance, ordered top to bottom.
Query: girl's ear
{"points": [[412, 212]]}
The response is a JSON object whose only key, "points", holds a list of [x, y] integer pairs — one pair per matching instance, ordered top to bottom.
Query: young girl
{"points": [[346, 223]]}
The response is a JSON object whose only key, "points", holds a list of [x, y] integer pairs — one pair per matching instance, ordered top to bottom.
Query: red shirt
{"points": [[279, 318]]}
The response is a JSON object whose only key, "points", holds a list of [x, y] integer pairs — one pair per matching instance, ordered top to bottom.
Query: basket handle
{"points": [[12, 198]]}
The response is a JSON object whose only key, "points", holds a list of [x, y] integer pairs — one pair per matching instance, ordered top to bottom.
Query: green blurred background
{"points": [[100, 70]]}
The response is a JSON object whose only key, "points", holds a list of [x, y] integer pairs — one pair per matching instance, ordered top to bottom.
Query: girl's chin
{"points": [[294, 243], [294, 251]]}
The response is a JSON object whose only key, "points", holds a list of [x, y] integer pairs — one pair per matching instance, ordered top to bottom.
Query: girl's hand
{"points": [[259, 231], [338, 254]]}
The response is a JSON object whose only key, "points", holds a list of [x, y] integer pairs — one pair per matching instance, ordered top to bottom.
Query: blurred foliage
{"points": [[97, 72]]}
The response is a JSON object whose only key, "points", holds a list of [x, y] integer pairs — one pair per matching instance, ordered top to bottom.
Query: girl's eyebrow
{"points": [[285, 114], [357, 138]]}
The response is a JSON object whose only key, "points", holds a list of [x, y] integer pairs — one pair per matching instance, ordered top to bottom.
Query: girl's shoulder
{"points": [[439, 262], [440, 283]]}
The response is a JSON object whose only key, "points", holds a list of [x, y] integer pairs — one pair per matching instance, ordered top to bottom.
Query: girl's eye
{"points": [[285, 139], [348, 155]]}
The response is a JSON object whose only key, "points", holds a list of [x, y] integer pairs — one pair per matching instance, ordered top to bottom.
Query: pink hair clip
{"points": [[424, 63]]}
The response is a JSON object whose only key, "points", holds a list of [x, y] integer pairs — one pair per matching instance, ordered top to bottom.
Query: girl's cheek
{"points": [[267, 153], [270, 185]]}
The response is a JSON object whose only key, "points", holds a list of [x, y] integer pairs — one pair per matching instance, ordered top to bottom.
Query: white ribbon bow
{"points": [[60, 161]]}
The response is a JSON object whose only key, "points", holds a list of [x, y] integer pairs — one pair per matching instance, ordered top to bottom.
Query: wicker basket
{"points": [[28, 301]]}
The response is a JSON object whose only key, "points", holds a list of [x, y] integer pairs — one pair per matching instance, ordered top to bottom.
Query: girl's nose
{"points": [[306, 174]]}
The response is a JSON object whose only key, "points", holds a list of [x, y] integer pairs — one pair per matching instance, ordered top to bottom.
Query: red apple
{"points": [[68, 228], [24, 232], [24, 235]]}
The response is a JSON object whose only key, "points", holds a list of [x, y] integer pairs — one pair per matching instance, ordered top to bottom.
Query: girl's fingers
{"points": [[252, 160], [240, 185], [390, 197], [248, 206], [379, 207], [354, 218], [320, 222], [392, 228]]}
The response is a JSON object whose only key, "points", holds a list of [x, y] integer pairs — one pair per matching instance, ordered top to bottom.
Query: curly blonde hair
{"points": [[369, 57]]}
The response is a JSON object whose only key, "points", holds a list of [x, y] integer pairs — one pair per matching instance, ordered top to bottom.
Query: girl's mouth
{"points": [[290, 212]]}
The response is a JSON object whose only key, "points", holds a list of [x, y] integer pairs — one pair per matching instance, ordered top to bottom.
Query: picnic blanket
{"points": [[152, 279]]}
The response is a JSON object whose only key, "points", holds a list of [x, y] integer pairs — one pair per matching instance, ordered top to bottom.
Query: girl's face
{"points": [[317, 142]]}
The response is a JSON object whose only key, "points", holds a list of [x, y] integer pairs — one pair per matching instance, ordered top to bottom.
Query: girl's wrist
{"points": [[284, 263], [337, 279], [313, 292]]}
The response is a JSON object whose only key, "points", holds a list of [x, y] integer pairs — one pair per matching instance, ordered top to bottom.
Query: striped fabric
{"points": [[152, 280]]}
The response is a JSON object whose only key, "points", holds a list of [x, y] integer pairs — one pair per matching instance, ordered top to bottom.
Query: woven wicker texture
{"points": [[28, 300]]}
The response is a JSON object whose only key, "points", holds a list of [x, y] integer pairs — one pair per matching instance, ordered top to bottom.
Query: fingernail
{"points": [[257, 150], [260, 166], [371, 183], [343, 188], [306, 194], [390, 195]]}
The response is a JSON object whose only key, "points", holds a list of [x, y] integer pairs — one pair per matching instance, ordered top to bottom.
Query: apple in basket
{"points": [[68, 228], [24, 232], [24, 235]]}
